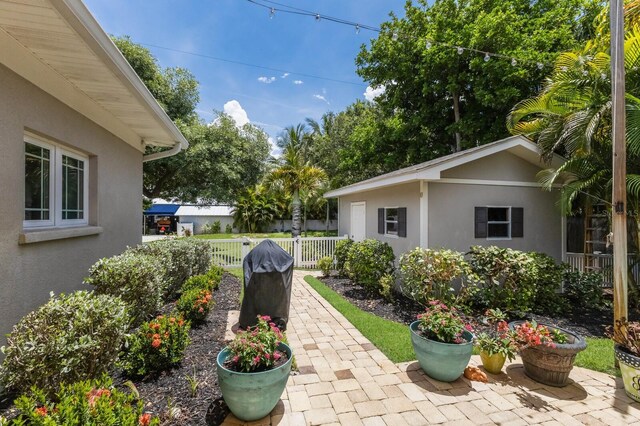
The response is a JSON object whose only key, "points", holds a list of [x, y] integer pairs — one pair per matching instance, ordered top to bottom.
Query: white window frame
{"points": [[55, 186], [499, 222], [386, 232]]}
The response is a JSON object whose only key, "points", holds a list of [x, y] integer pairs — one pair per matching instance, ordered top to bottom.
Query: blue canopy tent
{"points": [[161, 218]]}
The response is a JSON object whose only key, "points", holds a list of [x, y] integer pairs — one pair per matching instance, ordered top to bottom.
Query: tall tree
{"points": [[461, 99], [221, 158]]}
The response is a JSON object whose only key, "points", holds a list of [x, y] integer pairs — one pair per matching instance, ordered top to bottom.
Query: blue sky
{"points": [[240, 31]]}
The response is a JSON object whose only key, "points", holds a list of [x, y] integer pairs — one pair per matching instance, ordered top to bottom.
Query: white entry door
{"points": [[358, 221]]}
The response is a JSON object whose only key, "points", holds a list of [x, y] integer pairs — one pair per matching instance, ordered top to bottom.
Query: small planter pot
{"points": [[441, 361], [493, 363], [551, 366], [630, 369], [252, 396]]}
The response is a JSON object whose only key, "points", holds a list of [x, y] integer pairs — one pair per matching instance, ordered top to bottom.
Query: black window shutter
{"points": [[381, 221], [402, 222], [481, 222], [517, 222]]}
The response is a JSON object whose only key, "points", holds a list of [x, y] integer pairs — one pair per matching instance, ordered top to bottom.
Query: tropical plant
{"points": [[294, 174], [254, 209], [325, 264], [443, 323], [530, 334], [627, 334], [498, 339], [256, 349]]}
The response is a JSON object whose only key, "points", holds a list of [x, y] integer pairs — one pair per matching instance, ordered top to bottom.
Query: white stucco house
{"points": [[75, 120], [486, 195]]}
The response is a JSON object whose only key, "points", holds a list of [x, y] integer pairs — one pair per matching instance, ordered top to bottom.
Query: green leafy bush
{"points": [[216, 227], [228, 229], [340, 254], [182, 259], [367, 261], [325, 264], [429, 274], [134, 277], [209, 281], [515, 281], [387, 283], [584, 290], [195, 305], [69, 338], [158, 345], [84, 403]]}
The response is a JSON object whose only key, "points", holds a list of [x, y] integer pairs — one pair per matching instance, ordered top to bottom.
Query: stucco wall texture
{"points": [[29, 272]]}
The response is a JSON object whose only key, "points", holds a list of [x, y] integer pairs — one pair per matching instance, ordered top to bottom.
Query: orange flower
{"points": [[181, 323], [156, 343], [94, 394], [41, 411], [144, 419]]}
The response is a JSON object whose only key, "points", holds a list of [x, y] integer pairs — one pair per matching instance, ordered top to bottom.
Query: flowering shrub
{"points": [[368, 261], [428, 274], [135, 278], [195, 305], [443, 324], [530, 333], [69, 338], [498, 340], [158, 345], [256, 349], [89, 403]]}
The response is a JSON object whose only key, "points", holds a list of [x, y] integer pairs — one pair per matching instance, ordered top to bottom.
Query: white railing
{"points": [[306, 251], [602, 263]]}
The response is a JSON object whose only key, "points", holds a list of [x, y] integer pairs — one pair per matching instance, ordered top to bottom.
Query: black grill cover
{"points": [[268, 272]]}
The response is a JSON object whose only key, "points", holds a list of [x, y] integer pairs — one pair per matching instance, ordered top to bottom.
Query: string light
{"points": [[274, 6]]}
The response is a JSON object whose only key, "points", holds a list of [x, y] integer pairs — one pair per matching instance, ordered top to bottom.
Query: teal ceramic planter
{"points": [[441, 361], [252, 396]]}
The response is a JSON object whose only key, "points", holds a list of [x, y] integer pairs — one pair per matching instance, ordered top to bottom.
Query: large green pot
{"points": [[441, 361], [630, 369], [252, 396]]}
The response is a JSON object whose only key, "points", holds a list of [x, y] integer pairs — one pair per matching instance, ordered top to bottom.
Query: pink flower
{"points": [[265, 317], [468, 327], [277, 355], [267, 356], [236, 359], [256, 360]]}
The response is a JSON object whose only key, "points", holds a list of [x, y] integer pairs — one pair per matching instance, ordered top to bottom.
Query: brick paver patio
{"points": [[344, 379]]}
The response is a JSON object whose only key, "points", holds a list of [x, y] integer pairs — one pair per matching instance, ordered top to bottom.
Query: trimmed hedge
{"points": [[367, 261], [71, 337]]}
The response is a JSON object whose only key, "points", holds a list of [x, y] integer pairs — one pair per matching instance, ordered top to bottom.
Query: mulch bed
{"points": [[405, 310], [169, 394]]}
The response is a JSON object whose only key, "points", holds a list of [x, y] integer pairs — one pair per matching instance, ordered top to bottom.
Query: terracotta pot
{"points": [[492, 363]]}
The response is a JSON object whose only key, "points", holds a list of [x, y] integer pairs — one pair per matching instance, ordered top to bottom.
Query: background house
{"points": [[75, 121], [487, 195], [201, 216]]}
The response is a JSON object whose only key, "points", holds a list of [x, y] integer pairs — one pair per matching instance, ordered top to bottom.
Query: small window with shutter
{"points": [[392, 221], [499, 223]]}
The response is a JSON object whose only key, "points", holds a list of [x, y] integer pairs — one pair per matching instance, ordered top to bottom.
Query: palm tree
{"points": [[294, 174]]}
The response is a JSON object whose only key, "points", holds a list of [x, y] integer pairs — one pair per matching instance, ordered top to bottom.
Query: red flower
{"points": [[41, 411], [144, 419]]}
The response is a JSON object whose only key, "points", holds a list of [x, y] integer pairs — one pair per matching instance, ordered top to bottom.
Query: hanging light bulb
{"points": [[272, 13], [317, 18], [357, 28], [394, 36], [428, 45], [460, 50], [486, 57], [514, 62], [540, 65]]}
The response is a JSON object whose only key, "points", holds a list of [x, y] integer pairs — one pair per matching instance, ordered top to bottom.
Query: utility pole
{"points": [[619, 193]]}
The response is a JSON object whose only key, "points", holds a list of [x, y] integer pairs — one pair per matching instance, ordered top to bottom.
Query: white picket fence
{"points": [[306, 251], [602, 263]]}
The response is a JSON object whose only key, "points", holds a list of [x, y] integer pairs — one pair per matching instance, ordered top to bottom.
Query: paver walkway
{"points": [[345, 380]]}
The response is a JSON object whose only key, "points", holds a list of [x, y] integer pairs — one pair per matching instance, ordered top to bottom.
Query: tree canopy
{"points": [[445, 101]]}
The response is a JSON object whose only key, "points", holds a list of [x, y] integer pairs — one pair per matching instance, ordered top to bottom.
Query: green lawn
{"points": [[265, 235], [393, 338]]}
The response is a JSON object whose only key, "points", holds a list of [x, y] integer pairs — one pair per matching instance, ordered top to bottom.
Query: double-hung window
{"points": [[55, 185], [392, 221], [499, 223]]}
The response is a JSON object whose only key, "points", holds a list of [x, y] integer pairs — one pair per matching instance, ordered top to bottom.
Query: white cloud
{"points": [[285, 75], [266, 80], [298, 82], [372, 93], [322, 98], [235, 111], [275, 150]]}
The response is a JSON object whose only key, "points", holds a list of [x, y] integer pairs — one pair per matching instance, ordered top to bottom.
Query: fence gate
{"points": [[306, 251]]}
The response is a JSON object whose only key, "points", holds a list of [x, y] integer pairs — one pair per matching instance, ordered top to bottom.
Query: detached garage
{"points": [[487, 195]]}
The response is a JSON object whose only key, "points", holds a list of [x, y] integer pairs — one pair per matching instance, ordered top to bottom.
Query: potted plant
{"points": [[626, 336], [442, 341], [495, 345], [547, 352], [253, 370]]}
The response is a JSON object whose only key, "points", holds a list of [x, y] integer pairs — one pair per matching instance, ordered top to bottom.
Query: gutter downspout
{"points": [[163, 154]]}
